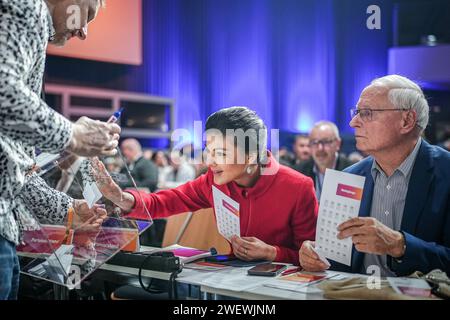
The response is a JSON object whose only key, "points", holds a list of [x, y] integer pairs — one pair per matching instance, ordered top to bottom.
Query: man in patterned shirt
{"points": [[26, 122]]}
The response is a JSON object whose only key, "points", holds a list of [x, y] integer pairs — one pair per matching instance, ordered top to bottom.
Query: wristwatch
{"points": [[400, 259]]}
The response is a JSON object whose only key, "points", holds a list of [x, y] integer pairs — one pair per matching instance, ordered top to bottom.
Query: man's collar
{"points": [[406, 167]]}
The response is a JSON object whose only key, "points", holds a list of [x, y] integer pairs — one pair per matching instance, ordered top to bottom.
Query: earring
{"points": [[249, 170]]}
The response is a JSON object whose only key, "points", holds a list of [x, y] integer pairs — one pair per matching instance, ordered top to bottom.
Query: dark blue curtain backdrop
{"points": [[293, 61]]}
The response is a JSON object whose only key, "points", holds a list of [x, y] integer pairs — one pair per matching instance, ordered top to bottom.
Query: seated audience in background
{"points": [[325, 143], [301, 150], [148, 154], [285, 157], [355, 157], [161, 160], [113, 164], [143, 171], [178, 173], [278, 207], [404, 218]]}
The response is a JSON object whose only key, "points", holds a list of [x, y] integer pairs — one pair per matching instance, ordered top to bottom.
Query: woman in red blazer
{"points": [[278, 206]]}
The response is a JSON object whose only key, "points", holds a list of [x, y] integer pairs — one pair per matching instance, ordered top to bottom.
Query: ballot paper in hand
{"points": [[91, 194], [339, 202], [227, 214]]}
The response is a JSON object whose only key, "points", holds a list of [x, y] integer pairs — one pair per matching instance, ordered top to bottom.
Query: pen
{"points": [[116, 116], [290, 271]]}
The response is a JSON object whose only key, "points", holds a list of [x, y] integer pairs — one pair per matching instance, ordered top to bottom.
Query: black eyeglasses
{"points": [[367, 114], [324, 143]]}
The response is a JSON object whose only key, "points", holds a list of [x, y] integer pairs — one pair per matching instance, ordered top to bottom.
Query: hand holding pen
{"points": [[95, 138]]}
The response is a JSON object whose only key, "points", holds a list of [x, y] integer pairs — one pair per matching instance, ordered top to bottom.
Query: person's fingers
{"points": [[114, 128], [112, 145], [108, 152], [101, 174], [101, 212], [357, 221], [351, 231], [360, 239], [238, 240], [243, 242], [235, 245], [239, 248], [363, 248], [308, 250], [237, 253], [311, 254], [242, 256], [312, 264]]}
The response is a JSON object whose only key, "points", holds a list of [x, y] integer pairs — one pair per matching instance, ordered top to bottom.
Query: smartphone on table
{"points": [[267, 269]]}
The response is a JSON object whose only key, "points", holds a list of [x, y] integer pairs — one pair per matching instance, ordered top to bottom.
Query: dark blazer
{"points": [[307, 167], [144, 173], [426, 217]]}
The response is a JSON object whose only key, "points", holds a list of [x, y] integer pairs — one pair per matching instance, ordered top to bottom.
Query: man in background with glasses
{"points": [[325, 143], [404, 218]]}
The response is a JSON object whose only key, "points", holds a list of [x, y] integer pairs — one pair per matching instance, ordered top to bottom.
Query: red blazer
{"points": [[280, 209]]}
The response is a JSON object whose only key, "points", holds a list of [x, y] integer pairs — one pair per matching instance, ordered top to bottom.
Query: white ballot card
{"points": [[91, 194], [339, 202], [227, 214]]}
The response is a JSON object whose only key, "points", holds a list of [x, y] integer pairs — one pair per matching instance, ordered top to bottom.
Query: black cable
{"points": [[173, 284], [148, 287], [172, 287]]}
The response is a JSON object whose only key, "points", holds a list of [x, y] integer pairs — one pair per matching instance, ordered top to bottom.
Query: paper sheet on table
{"points": [[340, 201], [227, 214], [234, 280], [303, 285]]}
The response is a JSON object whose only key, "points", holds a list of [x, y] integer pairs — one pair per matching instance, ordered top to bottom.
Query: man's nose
{"points": [[355, 121]]}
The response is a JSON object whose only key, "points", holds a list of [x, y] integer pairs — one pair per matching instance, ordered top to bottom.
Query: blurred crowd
{"points": [[310, 154]]}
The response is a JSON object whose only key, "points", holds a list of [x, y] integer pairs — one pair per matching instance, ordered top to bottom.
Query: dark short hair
{"points": [[235, 118], [300, 136]]}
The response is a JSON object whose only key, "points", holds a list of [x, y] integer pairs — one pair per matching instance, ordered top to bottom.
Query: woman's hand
{"points": [[109, 188], [88, 219], [87, 223], [251, 248]]}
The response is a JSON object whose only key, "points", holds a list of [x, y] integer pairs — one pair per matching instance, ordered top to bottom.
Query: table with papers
{"points": [[233, 282]]}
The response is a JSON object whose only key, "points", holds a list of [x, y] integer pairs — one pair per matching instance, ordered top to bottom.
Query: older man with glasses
{"points": [[325, 143], [404, 218]]}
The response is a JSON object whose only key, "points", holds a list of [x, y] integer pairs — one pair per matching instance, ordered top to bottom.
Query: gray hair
{"points": [[404, 93], [330, 124], [133, 144]]}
